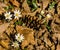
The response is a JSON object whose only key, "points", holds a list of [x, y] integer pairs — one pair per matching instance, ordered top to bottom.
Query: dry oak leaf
{"points": [[15, 2], [3, 27], [28, 34], [5, 43]]}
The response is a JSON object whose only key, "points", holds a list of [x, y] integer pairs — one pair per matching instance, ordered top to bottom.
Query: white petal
{"points": [[9, 12]]}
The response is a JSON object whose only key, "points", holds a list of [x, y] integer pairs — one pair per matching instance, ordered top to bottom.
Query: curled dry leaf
{"points": [[45, 3], [2, 5], [26, 7], [58, 8], [2, 10], [31, 13], [34, 13], [57, 18], [3, 27], [56, 27], [10, 29], [41, 31], [28, 34], [3, 36], [57, 36], [4, 40], [47, 41], [5, 43], [30, 47], [58, 47], [1, 48]]}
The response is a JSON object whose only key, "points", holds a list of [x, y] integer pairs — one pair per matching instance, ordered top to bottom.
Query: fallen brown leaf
{"points": [[15, 2], [45, 3], [2, 5], [25, 6], [58, 8], [3, 27], [5, 43], [58, 47], [1, 48]]}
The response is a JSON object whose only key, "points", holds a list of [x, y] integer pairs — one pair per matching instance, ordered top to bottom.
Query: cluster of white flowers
{"points": [[17, 15], [19, 38]]}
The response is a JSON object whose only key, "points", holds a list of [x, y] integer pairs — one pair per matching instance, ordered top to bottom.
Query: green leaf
{"points": [[34, 1], [29, 2], [32, 4], [35, 5], [52, 5], [9, 7], [6, 8], [40, 17], [18, 23], [47, 26]]}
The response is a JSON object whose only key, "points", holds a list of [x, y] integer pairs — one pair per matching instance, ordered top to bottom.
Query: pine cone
{"points": [[31, 22]]}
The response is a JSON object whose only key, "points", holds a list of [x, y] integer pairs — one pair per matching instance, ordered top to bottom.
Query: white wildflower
{"points": [[42, 12], [17, 14], [8, 15], [48, 16], [19, 37], [15, 44]]}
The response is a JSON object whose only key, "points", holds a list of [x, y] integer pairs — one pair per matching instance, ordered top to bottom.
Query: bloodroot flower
{"points": [[17, 14], [8, 15], [19, 37], [15, 44]]}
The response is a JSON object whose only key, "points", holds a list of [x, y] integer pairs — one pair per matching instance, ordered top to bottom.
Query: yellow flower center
{"points": [[16, 14], [7, 15], [18, 38]]}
